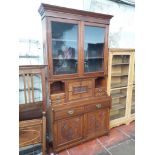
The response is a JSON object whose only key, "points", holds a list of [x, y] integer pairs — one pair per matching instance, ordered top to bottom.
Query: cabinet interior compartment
{"points": [[120, 60], [120, 69], [119, 81], [100, 82], [57, 87], [118, 103]]}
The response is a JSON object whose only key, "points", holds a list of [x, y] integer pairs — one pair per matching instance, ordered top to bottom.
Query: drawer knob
{"points": [[98, 106], [70, 112]]}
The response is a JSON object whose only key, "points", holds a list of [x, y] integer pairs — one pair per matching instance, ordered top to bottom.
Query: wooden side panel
{"points": [[69, 130]]}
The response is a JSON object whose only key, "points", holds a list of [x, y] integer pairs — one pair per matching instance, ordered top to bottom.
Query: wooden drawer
{"points": [[87, 83], [71, 85], [80, 89], [89, 93], [57, 96], [73, 96], [58, 101], [96, 106], [68, 112]]}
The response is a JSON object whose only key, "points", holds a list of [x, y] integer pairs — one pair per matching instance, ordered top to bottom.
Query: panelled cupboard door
{"points": [[96, 123], [68, 130]]}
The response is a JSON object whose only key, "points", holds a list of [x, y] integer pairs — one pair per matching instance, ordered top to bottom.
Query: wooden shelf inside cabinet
{"points": [[118, 64], [119, 74], [119, 85], [119, 95], [118, 107]]}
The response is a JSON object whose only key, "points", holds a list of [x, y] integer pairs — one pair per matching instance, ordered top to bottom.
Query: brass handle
{"points": [[98, 106], [70, 112]]}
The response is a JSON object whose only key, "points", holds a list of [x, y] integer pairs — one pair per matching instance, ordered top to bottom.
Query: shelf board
{"points": [[117, 64], [116, 74], [119, 85], [118, 95], [118, 107], [116, 116]]}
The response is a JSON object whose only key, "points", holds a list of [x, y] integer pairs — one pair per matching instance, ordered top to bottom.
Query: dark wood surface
{"points": [[79, 104]]}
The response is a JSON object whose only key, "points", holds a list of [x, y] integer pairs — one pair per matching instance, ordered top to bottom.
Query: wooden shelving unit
{"points": [[121, 86]]}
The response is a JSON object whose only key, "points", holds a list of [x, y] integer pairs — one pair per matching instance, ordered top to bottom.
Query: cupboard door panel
{"points": [[101, 120], [91, 122], [96, 123], [69, 130]]}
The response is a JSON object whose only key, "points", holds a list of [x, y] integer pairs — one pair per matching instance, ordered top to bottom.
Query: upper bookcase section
{"points": [[60, 12]]}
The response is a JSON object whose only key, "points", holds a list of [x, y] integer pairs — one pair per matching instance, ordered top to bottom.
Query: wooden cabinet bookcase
{"points": [[76, 51], [121, 86], [32, 109]]}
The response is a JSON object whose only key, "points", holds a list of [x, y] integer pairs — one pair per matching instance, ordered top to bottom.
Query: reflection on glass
{"points": [[64, 47], [93, 48], [32, 92]]}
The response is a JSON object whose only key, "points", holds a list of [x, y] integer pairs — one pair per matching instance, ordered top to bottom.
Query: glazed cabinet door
{"points": [[94, 43], [64, 47], [96, 123], [68, 130]]}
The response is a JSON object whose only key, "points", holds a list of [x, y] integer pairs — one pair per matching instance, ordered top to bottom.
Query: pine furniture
{"points": [[75, 46], [121, 86]]}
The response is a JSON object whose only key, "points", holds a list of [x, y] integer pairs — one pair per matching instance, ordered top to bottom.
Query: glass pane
{"points": [[64, 48], [93, 48], [120, 69], [31, 93], [133, 101], [118, 103]]}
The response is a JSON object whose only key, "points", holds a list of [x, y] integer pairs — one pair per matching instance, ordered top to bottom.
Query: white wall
{"points": [[121, 26]]}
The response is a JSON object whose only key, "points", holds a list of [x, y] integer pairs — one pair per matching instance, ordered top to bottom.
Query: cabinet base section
{"points": [[58, 149]]}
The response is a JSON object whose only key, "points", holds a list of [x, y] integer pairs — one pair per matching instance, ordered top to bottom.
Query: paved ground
{"points": [[121, 141]]}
